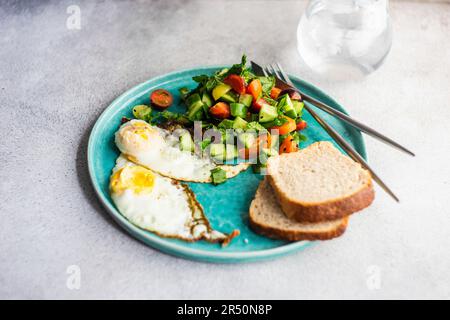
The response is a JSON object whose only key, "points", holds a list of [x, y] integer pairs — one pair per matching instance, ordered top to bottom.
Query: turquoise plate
{"points": [[225, 205]]}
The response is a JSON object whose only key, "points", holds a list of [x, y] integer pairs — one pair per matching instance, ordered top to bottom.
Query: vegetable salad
{"points": [[234, 102]]}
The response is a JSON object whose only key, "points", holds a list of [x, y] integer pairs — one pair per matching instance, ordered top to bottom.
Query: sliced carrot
{"points": [[255, 89], [275, 92], [286, 127], [288, 145]]}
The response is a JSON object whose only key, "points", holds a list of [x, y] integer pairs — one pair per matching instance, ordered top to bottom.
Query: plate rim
{"points": [[172, 248]]}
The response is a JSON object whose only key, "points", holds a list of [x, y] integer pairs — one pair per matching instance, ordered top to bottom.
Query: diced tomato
{"points": [[236, 82], [255, 89], [275, 92], [161, 99], [257, 104], [220, 110], [301, 125], [286, 127], [288, 145]]}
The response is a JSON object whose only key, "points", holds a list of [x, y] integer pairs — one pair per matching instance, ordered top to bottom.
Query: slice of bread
{"points": [[319, 183], [267, 218]]}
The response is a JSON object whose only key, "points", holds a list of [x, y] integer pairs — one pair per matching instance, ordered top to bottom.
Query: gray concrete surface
{"points": [[55, 82]]}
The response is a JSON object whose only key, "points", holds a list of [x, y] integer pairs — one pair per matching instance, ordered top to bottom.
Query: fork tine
{"points": [[269, 69], [275, 69], [265, 72], [285, 76], [342, 116], [337, 137]]}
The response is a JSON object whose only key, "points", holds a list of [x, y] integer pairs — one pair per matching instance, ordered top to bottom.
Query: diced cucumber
{"points": [[220, 90], [229, 97], [246, 99], [193, 100], [207, 100], [282, 100], [298, 106], [287, 107], [238, 110], [205, 111], [142, 112], [195, 112], [267, 113], [291, 113], [198, 116], [279, 121], [239, 123], [226, 124], [254, 125], [268, 125], [226, 135], [247, 139], [186, 143], [205, 143], [216, 150], [220, 151], [218, 175]]}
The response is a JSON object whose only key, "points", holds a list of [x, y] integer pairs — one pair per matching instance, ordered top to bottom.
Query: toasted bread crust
{"points": [[326, 211], [266, 228], [291, 235]]}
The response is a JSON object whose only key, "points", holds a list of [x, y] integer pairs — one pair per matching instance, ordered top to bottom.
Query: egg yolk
{"points": [[141, 129], [135, 178]]}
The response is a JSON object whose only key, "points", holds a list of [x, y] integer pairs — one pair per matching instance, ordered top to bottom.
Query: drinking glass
{"points": [[344, 39]]}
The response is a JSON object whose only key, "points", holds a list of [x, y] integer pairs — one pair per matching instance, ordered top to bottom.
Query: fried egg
{"points": [[157, 149], [159, 204]]}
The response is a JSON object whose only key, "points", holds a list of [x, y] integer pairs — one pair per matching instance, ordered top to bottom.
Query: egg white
{"points": [[158, 150], [166, 208]]}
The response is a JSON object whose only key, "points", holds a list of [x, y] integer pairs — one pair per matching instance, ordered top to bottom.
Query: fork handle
{"points": [[361, 126], [350, 151]]}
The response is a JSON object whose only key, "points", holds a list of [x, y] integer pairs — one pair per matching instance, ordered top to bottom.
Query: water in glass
{"points": [[344, 39]]}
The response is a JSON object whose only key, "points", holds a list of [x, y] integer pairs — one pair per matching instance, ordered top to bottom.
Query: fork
{"points": [[277, 71], [351, 121]]}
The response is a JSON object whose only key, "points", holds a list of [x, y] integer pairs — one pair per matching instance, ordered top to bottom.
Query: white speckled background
{"points": [[54, 83]]}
